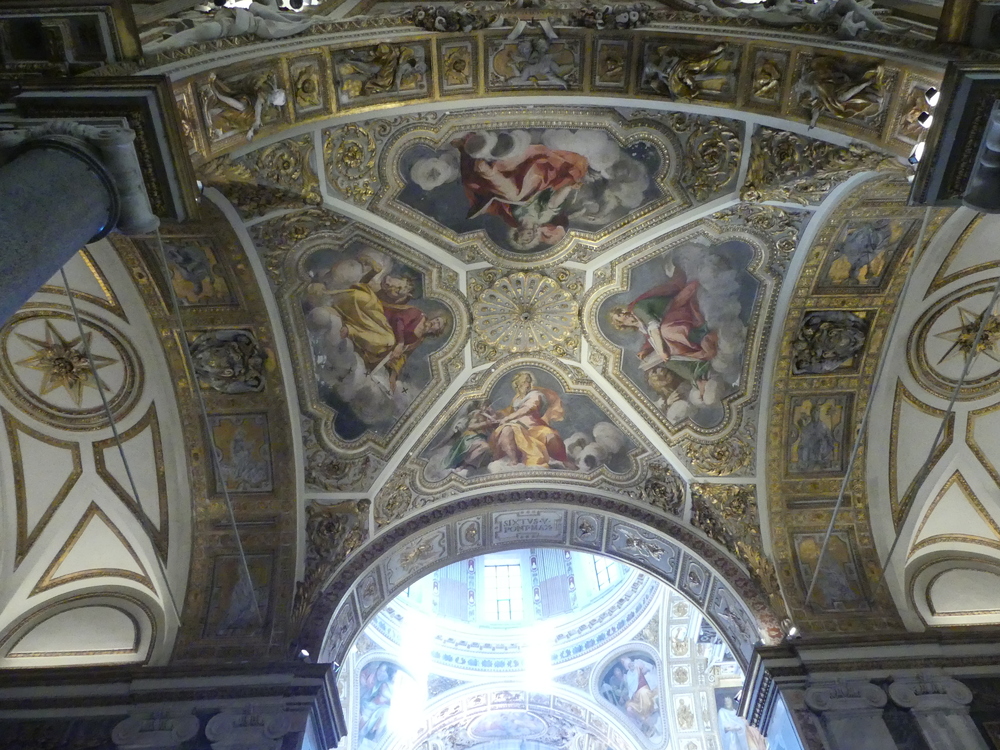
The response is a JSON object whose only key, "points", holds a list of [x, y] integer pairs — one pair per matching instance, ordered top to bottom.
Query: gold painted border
{"points": [[942, 278], [110, 301], [909, 494], [159, 535], [965, 538], [25, 540], [47, 582]]}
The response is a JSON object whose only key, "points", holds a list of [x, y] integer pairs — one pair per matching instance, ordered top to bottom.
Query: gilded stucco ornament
{"points": [[619, 16], [439, 18], [379, 71], [690, 73], [830, 87], [242, 105], [349, 152], [711, 157], [789, 167], [277, 176], [782, 225], [274, 238], [525, 312], [828, 341], [229, 361], [64, 363], [734, 455], [326, 471], [663, 489], [727, 513], [333, 533]]}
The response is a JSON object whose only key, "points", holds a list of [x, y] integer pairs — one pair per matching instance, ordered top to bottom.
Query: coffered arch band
{"points": [[492, 522]]}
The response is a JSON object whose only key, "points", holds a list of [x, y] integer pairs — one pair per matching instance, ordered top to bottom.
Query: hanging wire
{"points": [[85, 341], [860, 434], [217, 464], [925, 469]]}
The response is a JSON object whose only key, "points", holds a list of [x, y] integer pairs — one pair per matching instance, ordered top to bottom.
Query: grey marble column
{"points": [[55, 197], [940, 705], [851, 712]]}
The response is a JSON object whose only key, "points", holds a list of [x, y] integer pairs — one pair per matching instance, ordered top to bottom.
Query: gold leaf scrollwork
{"points": [[831, 87], [349, 152], [712, 158], [789, 167], [274, 177], [276, 237], [524, 312], [732, 456], [663, 489], [395, 500], [727, 513], [333, 533]]}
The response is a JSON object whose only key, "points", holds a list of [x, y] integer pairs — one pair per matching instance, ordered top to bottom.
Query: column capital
{"points": [[111, 148], [929, 692], [845, 695], [254, 728], [157, 730]]}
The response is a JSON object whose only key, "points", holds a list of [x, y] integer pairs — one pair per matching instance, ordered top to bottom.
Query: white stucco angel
{"points": [[852, 16], [264, 20]]}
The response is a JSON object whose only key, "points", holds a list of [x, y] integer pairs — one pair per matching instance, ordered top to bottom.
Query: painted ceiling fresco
{"points": [[620, 292], [495, 297]]}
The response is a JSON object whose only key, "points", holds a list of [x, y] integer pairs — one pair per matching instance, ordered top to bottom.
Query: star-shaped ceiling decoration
{"points": [[964, 336], [64, 364]]}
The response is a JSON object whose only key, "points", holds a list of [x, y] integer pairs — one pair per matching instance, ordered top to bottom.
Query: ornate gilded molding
{"points": [[793, 168], [278, 176], [525, 312], [810, 411], [663, 489], [970, 496], [900, 503], [727, 513], [91, 515], [159, 532], [333, 533], [25, 537]]}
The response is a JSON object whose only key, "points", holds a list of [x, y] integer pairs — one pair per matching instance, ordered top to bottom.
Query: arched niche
{"points": [[89, 629]]}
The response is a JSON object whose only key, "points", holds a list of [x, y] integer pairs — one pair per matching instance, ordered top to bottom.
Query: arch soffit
{"points": [[588, 522]]}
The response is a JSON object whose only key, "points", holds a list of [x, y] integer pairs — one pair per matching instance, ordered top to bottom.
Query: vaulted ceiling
{"points": [[689, 272]]}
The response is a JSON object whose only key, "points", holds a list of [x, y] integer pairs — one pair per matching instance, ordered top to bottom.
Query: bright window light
{"points": [[608, 572], [504, 597]]}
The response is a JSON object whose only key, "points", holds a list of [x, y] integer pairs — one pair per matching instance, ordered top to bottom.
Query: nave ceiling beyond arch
{"points": [[688, 292]]}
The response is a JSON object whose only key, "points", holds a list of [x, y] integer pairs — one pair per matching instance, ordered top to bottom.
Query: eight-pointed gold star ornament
{"points": [[964, 335], [64, 364]]}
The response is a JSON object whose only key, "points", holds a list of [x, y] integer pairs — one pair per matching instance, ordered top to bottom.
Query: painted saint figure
{"points": [[526, 185], [376, 318], [677, 336], [523, 434], [643, 689], [375, 698], [737, 734]]}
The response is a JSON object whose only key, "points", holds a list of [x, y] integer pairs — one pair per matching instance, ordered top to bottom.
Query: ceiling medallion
{"points": [[525, 312], [944, 337], [963, 337], [64, 364], [44, 369]]}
